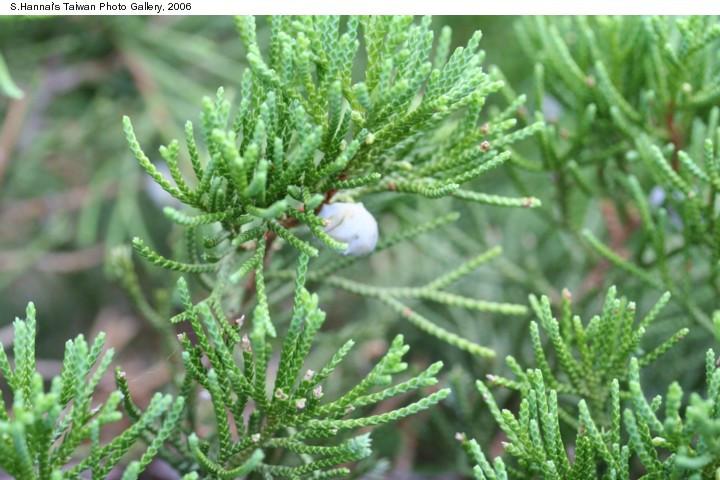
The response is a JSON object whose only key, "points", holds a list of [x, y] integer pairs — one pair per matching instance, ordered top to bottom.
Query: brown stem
{"points": [[675, 135], [289, 222]]}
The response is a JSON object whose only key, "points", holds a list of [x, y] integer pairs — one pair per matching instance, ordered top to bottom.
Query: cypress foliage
{"points": [[304, 132], [648, 133], [300, 171], [287, 409], [589, 417], [43, 431]]}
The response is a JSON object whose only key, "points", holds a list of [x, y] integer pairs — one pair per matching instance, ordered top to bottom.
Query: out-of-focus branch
{"points": [[10, 131], [67, 201], [55, 262]]}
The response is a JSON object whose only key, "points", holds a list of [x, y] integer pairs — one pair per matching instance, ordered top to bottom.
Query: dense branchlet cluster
{"points": [[339, 110], [304, 133], [645, 136], [289, 417], [615, 424], [56, 434]]}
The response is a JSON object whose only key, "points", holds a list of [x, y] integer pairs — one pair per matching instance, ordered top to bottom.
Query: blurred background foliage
{"points": [[70, 193]]}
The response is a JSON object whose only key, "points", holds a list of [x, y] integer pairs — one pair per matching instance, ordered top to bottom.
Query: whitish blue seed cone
{"points": [[351, 223]]}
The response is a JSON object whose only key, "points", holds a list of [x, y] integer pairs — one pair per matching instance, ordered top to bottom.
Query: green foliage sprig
{"points": [[303, 130], [304, 133], [644, 140], [433, 291], [589, 356], [288, 418], [56, 434], [680, 442], [682, 445]]}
